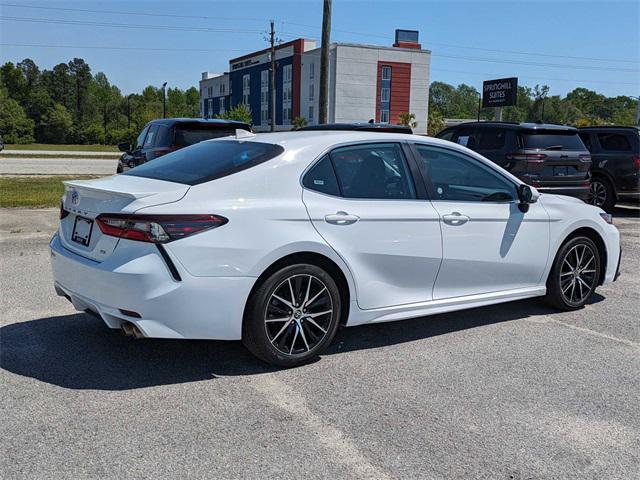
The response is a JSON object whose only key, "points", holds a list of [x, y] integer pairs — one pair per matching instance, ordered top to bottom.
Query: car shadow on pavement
{"points": [[79, 352]]}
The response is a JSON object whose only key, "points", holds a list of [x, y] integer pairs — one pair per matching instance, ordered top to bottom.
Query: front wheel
{"points": [[574, 275], [292, 316]]}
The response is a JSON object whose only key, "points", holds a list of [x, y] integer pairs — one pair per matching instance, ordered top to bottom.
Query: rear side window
{"points": [[446, 134], [186, 136], [163, 137], [482, 138], [586, 139], [552, 141], [614, 141], [207, 161], [373, 171], [322, 178]]}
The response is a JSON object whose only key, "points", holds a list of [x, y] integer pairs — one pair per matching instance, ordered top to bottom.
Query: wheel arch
{"points": [[601, 172], [600, 245], [312, 258]]}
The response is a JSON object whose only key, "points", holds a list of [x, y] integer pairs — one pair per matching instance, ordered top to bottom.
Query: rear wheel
{"points": [[602, 193], [574, 275], [292, 316]]}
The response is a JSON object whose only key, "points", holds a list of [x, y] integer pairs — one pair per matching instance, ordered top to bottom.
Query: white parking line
{"points": [[588, 331]]}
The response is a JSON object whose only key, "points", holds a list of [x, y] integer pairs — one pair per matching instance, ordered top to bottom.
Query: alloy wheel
{"points": [[598, 193], [578, 274], [298, 314]]}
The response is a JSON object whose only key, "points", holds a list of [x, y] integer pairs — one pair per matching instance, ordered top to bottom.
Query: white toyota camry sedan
{"points": [[278, 239]]}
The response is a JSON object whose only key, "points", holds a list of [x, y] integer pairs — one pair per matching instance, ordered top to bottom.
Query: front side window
{"points": [[151, 136], [141, 137], [482, 138], [615, 142], [207, 161], [373, 171], [456, 177], [322, 178]]}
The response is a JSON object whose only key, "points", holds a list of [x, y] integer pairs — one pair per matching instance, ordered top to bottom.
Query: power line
{"points": [[315, 27], [203, 50]]}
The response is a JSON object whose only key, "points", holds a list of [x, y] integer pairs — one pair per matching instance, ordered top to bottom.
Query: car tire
{"points": [[602, 193], [574, 275], [292, 316]]}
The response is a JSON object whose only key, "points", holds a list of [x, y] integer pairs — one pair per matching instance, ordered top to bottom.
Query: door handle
{"points": [[341, 218], [455, 219]]}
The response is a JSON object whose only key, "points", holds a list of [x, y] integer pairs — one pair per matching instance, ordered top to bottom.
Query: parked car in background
{"points": [[359, 127], [162, 136], [550, 157], [615, 157], [277, 239]]}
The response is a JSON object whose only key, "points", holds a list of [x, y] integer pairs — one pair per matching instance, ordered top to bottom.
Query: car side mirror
{"points": [[124, 146], [526, 197]]}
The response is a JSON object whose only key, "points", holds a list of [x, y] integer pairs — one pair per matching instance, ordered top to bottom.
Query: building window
{"points": [[312, 70], [386, 73], [222, 89], [246, 89], [210, 91], [311, 91], [286, 94], [384, 95], [264, 97], [222, 105], [210, 109], [384, 116], [310, 117]]}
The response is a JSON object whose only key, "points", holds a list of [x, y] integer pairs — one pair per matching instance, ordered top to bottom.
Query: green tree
{"points": [[240, 113], [408, 120], [299, 122], [435, 122], [56, 125], [15, 126]]}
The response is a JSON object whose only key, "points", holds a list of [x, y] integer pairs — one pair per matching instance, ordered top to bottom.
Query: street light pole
{"points": [[164, 100]]}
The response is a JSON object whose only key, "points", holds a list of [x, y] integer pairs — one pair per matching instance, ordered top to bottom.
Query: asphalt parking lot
{"points": [[514, 391]]}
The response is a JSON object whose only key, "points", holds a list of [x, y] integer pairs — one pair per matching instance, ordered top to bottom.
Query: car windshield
{"points": [[186, 136], [553, 141], [207, 161]]}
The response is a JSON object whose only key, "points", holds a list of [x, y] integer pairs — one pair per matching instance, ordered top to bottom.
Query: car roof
{"points": [[199, 121], [359, 126], [517, 126], [611, 127]]}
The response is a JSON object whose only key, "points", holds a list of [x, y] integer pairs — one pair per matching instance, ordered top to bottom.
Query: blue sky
{"points": [[468, 39]]}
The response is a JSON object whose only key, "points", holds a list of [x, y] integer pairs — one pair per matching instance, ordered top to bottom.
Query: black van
{"points": [[166, 135], [615, 153], [550, 157]]}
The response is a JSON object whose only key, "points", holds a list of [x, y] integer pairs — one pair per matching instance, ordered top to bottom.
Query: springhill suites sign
{"points": [[499, 93]]}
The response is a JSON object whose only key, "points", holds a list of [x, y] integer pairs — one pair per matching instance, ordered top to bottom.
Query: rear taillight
{"points": [[527, 157], [584, 157], [636, 162], [63, 212], [156, 228]]}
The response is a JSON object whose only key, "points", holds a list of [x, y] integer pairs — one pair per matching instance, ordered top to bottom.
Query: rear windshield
{"points": [[186, 136], [554, 141], [207, 161]]}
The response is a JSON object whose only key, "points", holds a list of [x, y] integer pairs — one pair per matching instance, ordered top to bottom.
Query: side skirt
{"points": [[433, 307]]}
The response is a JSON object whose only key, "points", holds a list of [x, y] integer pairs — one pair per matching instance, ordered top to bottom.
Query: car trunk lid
{"points": [[84, 200]]}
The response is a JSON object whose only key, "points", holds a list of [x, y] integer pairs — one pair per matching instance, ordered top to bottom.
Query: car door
{"points": [[362, 199], [489, 245]]}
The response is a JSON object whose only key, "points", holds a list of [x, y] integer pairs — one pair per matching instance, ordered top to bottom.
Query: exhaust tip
{"points": [[131, 330]]}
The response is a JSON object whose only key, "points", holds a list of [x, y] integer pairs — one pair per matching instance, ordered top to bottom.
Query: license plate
{"points": [[82, 231]]}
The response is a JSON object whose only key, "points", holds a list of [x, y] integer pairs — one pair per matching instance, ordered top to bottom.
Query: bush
{"points": [[239, 113], [56, 125], [15, 126], [94, 133]]}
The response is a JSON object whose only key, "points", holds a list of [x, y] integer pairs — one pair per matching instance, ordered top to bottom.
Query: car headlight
{"points": [[607, 217]]}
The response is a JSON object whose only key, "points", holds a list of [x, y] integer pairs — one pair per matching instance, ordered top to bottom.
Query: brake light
{"points": [[527, 157], [584, 157], [636, 162], [63, 212], [156, 228]]}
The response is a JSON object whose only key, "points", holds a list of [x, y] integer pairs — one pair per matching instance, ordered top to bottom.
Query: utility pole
{"points": [[272, 83], [164, 100], [323, 110], [129, 111]]}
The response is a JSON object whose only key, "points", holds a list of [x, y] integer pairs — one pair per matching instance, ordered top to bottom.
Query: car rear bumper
{"points": [[194, 307]]}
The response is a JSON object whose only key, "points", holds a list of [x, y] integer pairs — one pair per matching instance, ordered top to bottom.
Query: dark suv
{"points": [[359, 127], [166, 135], [551, 158], [615, 173]]}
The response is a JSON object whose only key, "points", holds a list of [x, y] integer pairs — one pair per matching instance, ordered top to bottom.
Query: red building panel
{"points": [[400, 89]]}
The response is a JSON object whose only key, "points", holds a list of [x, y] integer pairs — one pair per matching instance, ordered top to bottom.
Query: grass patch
{"points": [[75, 148], [60, 155], [34, 192]]}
